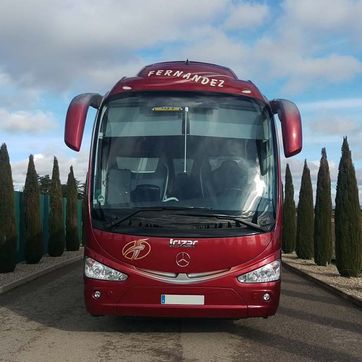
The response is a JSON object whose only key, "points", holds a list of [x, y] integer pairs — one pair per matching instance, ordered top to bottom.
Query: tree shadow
{"points": [[309, 297], [56, 300], [314, 318], [291, 345]]}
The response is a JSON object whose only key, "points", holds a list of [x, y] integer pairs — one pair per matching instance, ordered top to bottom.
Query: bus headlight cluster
{"points": [[96, 270], [267, 273]]}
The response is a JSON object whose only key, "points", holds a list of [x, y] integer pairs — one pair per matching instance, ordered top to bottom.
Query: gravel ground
{"points": [[26, 272], [326, 274]]}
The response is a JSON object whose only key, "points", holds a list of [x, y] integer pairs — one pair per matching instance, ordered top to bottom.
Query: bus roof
{"points": [[196, 67], [187, 76]]}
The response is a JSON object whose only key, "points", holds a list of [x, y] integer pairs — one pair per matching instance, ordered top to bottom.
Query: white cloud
{"points": [[246, 15], [322, 15], [50, 44], [88, 44], [312, 44], [216, 47], [290, 61], [331, 69], [104, 78], [4, 79], [332, 104], [26, 121], [334, 125]]}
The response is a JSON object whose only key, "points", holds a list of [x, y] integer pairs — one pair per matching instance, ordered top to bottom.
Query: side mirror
{"points": [[76, 117], [290, 119]]}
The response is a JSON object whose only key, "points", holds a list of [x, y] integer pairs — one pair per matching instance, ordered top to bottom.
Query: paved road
{"points": [[45, 320]]}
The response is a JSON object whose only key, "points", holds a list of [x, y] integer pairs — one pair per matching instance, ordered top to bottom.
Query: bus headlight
{"points": [[96, 270], [267, 273]]}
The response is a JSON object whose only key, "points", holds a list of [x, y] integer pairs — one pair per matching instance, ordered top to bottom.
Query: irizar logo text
{"points": [[181, 243]]}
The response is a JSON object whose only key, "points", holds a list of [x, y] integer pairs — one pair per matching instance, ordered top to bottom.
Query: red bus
{"points": [[184, 194]]}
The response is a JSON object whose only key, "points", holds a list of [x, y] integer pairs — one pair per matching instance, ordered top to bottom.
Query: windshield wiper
{"points": [[191, 211], [121, 219], [239, 220], [242, 221]]}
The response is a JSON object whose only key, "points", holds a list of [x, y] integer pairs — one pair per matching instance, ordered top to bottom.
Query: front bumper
{"points": [[139, 296]]}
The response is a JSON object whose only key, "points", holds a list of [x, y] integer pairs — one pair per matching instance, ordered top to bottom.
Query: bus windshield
{"points": [[186, 151]]}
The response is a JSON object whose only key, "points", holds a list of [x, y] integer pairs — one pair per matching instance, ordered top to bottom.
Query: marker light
{"points": [[96, 270], [267, 273]]}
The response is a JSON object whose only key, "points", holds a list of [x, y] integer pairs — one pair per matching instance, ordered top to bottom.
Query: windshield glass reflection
{"points": [[187, 151]]}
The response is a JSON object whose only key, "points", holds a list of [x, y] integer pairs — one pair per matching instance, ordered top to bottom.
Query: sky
{"points": [[309, 52]]}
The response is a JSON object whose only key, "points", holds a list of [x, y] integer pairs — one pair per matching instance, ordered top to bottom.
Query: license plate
{"points": [[182, 299]]}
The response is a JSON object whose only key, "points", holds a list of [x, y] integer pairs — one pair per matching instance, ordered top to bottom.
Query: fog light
{"points": [[97, 294], [266, 297]]}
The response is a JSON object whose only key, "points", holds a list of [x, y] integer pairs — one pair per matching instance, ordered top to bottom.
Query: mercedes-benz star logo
{"points": [[183, 259]]}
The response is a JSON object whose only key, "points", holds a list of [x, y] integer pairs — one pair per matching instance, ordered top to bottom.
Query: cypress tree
{"points": [[44, 184], [323, 215], [305, 217], [32, 222], [289, 227], [8, 236], [71, 236], [56, 242], [348, 246]]}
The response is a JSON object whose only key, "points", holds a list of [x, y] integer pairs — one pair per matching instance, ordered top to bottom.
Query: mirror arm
{"points": [[274, 105]]}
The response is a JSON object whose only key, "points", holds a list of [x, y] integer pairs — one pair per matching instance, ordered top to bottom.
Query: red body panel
{"points": [[209, 254], [228, 257], [140, 294], [225, 296]]}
